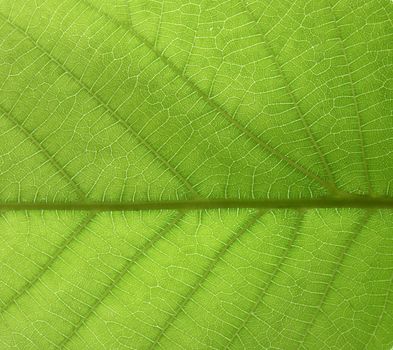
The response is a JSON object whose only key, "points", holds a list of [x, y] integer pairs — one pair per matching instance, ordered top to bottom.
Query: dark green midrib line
{"points": [[339, 202]]}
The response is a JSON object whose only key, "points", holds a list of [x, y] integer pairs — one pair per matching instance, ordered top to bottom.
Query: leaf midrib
{"points": [[351, 201]]}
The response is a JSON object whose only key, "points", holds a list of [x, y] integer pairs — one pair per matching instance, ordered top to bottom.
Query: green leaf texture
{"points": [[196, 174]]}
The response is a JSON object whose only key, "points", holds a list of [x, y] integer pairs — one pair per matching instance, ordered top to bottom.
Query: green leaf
{"points": [[196, 175]]}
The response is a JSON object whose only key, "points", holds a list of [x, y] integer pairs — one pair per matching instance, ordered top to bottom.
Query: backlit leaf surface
{"points": [[196, 174]]}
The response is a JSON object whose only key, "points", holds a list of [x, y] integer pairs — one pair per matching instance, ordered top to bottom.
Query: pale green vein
{"points": [[128, 11], [157, 36], [189, 53], [295, 102], [356, 105], [113, 113], [266, 146], [50, 157], [332, 202], [356, 231], [141, 252], [49, 263], [207, 271], [264, 291], [380, 317], [38, 327]]}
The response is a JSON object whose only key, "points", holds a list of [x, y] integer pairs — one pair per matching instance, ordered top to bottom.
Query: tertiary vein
{"points": [[214, 105]]}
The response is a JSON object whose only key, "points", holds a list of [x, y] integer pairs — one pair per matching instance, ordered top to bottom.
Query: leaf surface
{"points": [[196, 175]]}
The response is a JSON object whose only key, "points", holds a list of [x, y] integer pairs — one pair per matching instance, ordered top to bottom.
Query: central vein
{"points": [[339, 202]]}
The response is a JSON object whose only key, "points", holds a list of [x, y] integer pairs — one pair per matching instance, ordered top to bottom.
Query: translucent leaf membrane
{"points": [[126, 119], [196, 175], [201, 279]]}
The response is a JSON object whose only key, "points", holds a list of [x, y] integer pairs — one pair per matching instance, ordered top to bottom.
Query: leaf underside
{"points": [[196, 174]]}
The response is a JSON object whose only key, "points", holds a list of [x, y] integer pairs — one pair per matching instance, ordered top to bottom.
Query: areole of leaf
{"points": [[196, 175]]}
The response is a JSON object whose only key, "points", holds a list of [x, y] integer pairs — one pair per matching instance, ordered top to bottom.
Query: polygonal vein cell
{"points": [[113, 113], [266, 146], [250, 222], [140, 253], [49, 263], [264, 291]]}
